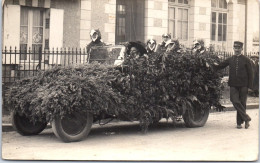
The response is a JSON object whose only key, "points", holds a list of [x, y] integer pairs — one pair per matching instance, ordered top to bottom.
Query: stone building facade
{"points": [[66, 23]]}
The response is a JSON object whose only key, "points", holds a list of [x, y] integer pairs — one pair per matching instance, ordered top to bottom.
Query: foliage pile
{"points": [[144, 89]]}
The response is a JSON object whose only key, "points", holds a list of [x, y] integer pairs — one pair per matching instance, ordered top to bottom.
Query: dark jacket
{"points": [[96, 43], [240, 71]]}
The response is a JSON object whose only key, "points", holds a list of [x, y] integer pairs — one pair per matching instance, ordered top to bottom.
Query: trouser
{"points": [[238, 97]]}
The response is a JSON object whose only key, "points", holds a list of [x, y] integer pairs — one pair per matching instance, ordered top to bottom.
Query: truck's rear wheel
{"points": [[196, 117], [24, 126], [72, 127]]}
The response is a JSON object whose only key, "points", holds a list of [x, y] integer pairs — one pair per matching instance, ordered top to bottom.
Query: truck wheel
{"points": [[196, 117], [24, 126], [73, 127]]}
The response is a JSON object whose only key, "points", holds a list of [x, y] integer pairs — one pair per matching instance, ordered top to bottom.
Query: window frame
{"points": [[176, 2], [217, 5], [176, 7], [218, 11], [119, 16], [30, 27]]}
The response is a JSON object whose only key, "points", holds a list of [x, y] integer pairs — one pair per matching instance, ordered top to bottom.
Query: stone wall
{"points": [[98, 14], [156, 19], [199, 21], [85, 22], [71, 25], [253, 25]]}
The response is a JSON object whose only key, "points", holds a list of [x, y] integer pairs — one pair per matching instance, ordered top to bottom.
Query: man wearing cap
{"points": [[166, 37], [198, 47], [240, 79]]}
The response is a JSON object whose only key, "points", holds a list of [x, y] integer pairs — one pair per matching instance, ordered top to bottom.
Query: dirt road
{"points": [[217, 140]]}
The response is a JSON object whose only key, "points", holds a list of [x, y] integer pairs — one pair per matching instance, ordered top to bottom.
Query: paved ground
{"points": [[217, 140]]}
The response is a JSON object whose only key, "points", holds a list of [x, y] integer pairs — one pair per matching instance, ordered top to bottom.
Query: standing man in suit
{"points": [[240, 79]]}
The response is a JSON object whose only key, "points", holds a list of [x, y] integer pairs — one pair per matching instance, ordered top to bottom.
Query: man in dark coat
{"points": [[95, 36], [166, 37], [151, 46], [198, 47], [240, 79]]}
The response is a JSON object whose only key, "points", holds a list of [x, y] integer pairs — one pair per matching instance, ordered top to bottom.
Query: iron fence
{"points": [[17, 64]]}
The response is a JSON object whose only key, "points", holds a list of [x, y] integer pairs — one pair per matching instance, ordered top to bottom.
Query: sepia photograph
{"points": [[130, 80]]}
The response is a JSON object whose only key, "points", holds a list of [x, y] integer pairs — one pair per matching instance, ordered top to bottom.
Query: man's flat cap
{"points": [[238, 43]]}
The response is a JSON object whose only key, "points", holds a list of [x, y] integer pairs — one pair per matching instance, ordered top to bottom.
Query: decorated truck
{"points": [[114, 84]]}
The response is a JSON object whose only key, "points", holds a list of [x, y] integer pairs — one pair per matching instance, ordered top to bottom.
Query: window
{"points": [[179, 1], [222, 4], [129, 20], [219, 20], [120, 21], [171, 22], [178, 22], [182, 24], [31, 31]]}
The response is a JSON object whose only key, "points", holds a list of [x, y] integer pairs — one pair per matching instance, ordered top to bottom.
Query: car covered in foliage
{"points": [[113, 84]]}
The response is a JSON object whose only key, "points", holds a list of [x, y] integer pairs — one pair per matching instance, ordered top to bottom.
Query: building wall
{"points": [[98, 14], [103, 16], [71, 19], [155, 19], [199, 21], [85, 22], [71, 23], [253, 25], [238, 28]]}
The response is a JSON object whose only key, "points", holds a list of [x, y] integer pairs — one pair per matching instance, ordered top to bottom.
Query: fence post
{"points": [[20, 55], [72, 55], [76, 55], [79, 55], [65, 56], [40, 57], [33, 60], [15, 62], [5, 64]]}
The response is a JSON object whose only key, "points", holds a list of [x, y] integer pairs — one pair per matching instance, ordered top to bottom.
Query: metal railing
{"points": [[17, 64]]}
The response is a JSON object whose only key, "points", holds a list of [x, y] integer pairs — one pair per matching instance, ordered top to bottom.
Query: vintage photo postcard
{"points": [[130, 80]]}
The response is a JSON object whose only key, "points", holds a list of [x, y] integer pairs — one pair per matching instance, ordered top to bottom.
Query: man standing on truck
{"points": [[95, 36], [166, 37], [198, 47], [240, 79]]}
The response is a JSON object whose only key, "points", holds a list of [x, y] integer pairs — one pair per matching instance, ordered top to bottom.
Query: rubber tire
{"points": [[199, 121], [24, 126], [62, 126]]}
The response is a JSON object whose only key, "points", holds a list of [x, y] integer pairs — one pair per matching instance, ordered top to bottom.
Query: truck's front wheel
{"points": [[72, 127]]}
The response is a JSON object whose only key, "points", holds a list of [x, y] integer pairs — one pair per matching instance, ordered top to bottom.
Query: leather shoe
{"points": [[247, 124], [239, 126]]}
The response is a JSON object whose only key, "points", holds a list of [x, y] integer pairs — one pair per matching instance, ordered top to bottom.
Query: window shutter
{"points": [[11, 26], [56, 28], [11, 32], [56, 33]]}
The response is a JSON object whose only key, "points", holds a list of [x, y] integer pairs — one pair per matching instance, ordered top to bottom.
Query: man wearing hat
{"points": [[166, 37], [96, 40], [198, 47], [240, 79]]}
